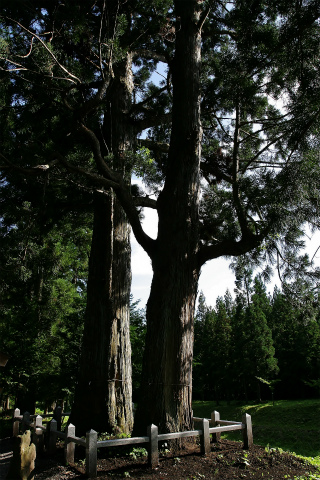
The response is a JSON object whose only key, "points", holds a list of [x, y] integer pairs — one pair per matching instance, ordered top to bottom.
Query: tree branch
{"points": [[34, 35], [149, 54], [137, 106], [151, 119], [154, 146], [101, 164], [210, 167], [35, 171], [126, 199], [145, 202], [229, 248]]}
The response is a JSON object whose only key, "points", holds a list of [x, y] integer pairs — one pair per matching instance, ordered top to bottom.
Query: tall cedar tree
{"points": [[261, 185], [104, 383], [103, 396], [103, 399]]}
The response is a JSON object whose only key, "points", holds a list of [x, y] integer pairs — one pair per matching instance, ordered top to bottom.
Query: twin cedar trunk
{"points": [[167, 368], [103, 394], [103, 399]]}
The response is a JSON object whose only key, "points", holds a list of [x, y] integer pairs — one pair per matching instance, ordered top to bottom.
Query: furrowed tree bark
{"points": [[119, 137], [119, 356], [167, 367], [103, 399], [90, 404]]}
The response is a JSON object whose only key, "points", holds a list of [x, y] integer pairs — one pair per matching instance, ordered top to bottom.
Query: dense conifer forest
{"points": [[251, 345], [261, 348]]}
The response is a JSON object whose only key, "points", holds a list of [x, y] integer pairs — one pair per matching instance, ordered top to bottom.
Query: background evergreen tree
{"points": [[42, 301], [295, 332], [137, 335], [238, 339], [258, 350], [221, 352], [202, 360]]}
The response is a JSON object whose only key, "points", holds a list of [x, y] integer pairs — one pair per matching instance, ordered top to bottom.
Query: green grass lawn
{"points": [[293, 426]]}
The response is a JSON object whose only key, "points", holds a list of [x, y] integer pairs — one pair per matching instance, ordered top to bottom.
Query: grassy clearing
{"points": [[293, 426]]}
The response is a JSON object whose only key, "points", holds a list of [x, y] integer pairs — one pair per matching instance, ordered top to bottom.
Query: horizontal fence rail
{"points": [[46, 436]]}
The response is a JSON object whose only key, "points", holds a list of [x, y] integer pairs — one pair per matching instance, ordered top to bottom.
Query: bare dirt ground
{"points": [[226, 461]]}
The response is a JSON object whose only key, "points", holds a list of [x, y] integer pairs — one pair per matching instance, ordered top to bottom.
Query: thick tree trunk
{"points": [[119, 357], [167, 369], [103, 394], [103, 399], [90, 403]]}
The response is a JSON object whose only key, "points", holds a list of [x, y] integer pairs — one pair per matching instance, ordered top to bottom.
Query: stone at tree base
{"points": [[24, 455]]}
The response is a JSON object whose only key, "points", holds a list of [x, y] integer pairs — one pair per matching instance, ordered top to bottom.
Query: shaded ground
{"points": [[5, 456], [226, 461]]}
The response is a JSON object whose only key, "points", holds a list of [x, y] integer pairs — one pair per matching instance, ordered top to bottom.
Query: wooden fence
{"points": [[47, 436]]}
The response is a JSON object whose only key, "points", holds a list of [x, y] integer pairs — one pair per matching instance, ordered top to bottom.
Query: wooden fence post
{"points": [[57, 415], [215, 417], [25, 422], [16, 423], [247, 431], [37, 435], [51, 436], [205, 437], [69, 446], [153, 452], [91, 453]]}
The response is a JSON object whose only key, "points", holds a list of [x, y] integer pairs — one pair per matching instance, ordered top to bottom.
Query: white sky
{"points": [[216, 276]]}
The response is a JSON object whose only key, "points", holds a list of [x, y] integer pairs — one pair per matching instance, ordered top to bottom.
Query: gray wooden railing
{"points": [[47, 436]]}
